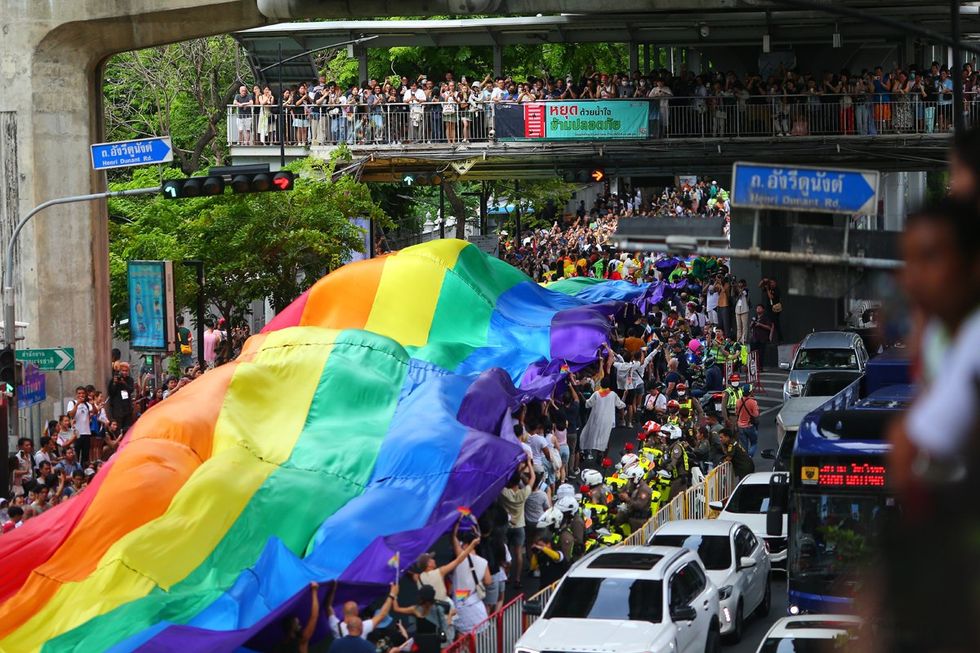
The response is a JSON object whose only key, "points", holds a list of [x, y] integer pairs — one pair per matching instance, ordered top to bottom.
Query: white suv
{"points": [[749, 504], [736, 562], [629, 599]]}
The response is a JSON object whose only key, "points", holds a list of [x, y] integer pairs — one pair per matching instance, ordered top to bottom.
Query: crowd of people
{"points": [[713, 103], [673, 372], [72, 448]]}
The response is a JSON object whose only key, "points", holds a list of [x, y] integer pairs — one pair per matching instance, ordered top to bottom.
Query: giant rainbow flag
{"points": [[351, 429]]}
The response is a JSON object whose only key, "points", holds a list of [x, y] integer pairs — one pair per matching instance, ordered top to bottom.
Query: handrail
{"points": [[669, 117]]}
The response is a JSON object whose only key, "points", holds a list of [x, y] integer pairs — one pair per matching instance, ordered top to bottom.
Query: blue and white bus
{"points": [[837, 493]]}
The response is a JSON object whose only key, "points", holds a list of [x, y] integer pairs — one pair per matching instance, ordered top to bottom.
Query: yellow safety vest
{"points": [[732, 395]]}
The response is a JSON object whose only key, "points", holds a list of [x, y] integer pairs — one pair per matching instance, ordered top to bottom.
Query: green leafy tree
{"points": [[181, 90]]}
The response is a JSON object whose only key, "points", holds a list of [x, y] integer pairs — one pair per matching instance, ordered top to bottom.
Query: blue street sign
{"points": [[124, 154], [802, 188], [32, 391]]}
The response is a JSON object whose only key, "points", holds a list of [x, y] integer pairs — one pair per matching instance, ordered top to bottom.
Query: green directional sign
{"points": [[58, 359]]}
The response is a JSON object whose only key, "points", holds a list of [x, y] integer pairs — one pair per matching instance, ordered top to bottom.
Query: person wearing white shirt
{"points": [[742, 305]]}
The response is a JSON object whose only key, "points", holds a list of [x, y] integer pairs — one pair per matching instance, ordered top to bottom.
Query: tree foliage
{"points": [[180, 90], [254, 246]]}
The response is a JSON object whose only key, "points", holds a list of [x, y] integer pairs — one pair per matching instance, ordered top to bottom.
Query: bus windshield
{"points": [[835, 535]]}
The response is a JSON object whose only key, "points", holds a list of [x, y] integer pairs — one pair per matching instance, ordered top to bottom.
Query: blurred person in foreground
{"points": [[934, 464]]}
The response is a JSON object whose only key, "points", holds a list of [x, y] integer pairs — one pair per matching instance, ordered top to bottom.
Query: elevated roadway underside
{"points": [[631, 158]]}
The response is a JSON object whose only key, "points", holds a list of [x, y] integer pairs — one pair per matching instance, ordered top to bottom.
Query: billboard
{"points": [[573, 120], [151, 301]]}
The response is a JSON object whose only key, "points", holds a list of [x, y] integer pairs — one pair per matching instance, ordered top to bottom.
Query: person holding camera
{"points": [[761, 333], [121, 389]]}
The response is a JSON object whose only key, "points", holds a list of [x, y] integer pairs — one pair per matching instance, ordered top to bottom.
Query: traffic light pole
{"points": [[10, 327]]}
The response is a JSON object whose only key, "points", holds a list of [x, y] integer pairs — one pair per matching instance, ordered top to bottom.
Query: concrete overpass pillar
{"points": [[634, 49], [51, 57], [498, 60], [694, 61], [362, 65]]}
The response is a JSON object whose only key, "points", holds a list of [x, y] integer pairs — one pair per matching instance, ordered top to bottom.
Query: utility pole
{"points": [[957, 71], [199, 267]]}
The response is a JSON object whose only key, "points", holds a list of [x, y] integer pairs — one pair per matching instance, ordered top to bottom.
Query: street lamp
{"points": [[282, 107]]}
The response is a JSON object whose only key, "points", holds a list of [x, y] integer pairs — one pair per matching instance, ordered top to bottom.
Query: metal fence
{"points": [[709, 117], [357, 124], [497, 634]]}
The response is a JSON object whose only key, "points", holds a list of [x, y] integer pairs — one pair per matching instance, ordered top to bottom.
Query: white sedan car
{"points": [[749, 504], [736, 562], [628, 599], [812, 633]]}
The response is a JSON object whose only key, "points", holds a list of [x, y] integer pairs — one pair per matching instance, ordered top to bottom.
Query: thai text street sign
{"points": [[125, 154], [803, 188], [55, 359]]}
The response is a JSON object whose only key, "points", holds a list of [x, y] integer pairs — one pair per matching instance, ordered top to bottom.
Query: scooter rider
{"points": [[637, 497]]}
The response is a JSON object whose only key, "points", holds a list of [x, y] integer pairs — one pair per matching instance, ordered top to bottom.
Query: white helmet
{"points": [[672, 431], [628, 460], [633, 473], [663, 473], [592, 477], [565, 490], [567, 505], [550, 519]]}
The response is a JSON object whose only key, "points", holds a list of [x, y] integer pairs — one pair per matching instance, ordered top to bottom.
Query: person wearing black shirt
{"points": [[761, 331], [121, 388]]}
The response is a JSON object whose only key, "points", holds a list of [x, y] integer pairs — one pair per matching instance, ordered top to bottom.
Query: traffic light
{"points": [[583, 176], [243, 179], [422, 179], [261, 182], [193, 187], [8, 367]]}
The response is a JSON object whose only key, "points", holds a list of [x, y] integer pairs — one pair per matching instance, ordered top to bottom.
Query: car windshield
{"points": [[826, 359], [823, 386], [749, 498], [835, 536], [715, 551], [622, 599], [800, 645]]}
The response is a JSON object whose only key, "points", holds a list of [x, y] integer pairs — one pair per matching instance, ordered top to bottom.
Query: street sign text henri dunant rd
{"points": [[124, 154], [803, 188], [57, 359]]}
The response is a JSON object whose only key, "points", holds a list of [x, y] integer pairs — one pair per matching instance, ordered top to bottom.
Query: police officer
{"points": [[732, 395], [686, 403], [735, 453], [677, 462], [637, 497]]}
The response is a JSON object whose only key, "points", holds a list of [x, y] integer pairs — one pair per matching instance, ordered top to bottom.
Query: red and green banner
{"points": [[572, 120]]}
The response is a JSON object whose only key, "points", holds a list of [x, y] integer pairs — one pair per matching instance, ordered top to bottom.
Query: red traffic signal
{"points": [[243, 179], [262, 182]]}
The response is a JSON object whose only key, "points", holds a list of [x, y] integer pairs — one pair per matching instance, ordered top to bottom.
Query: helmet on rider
{"points": [[709, 362], [734, 380], [681, 389], [672, 407], [651, 428], [672, 431], [628, 460], [633, 473], [591, 477], [565, 490], [566, 505], [550, 519]]}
